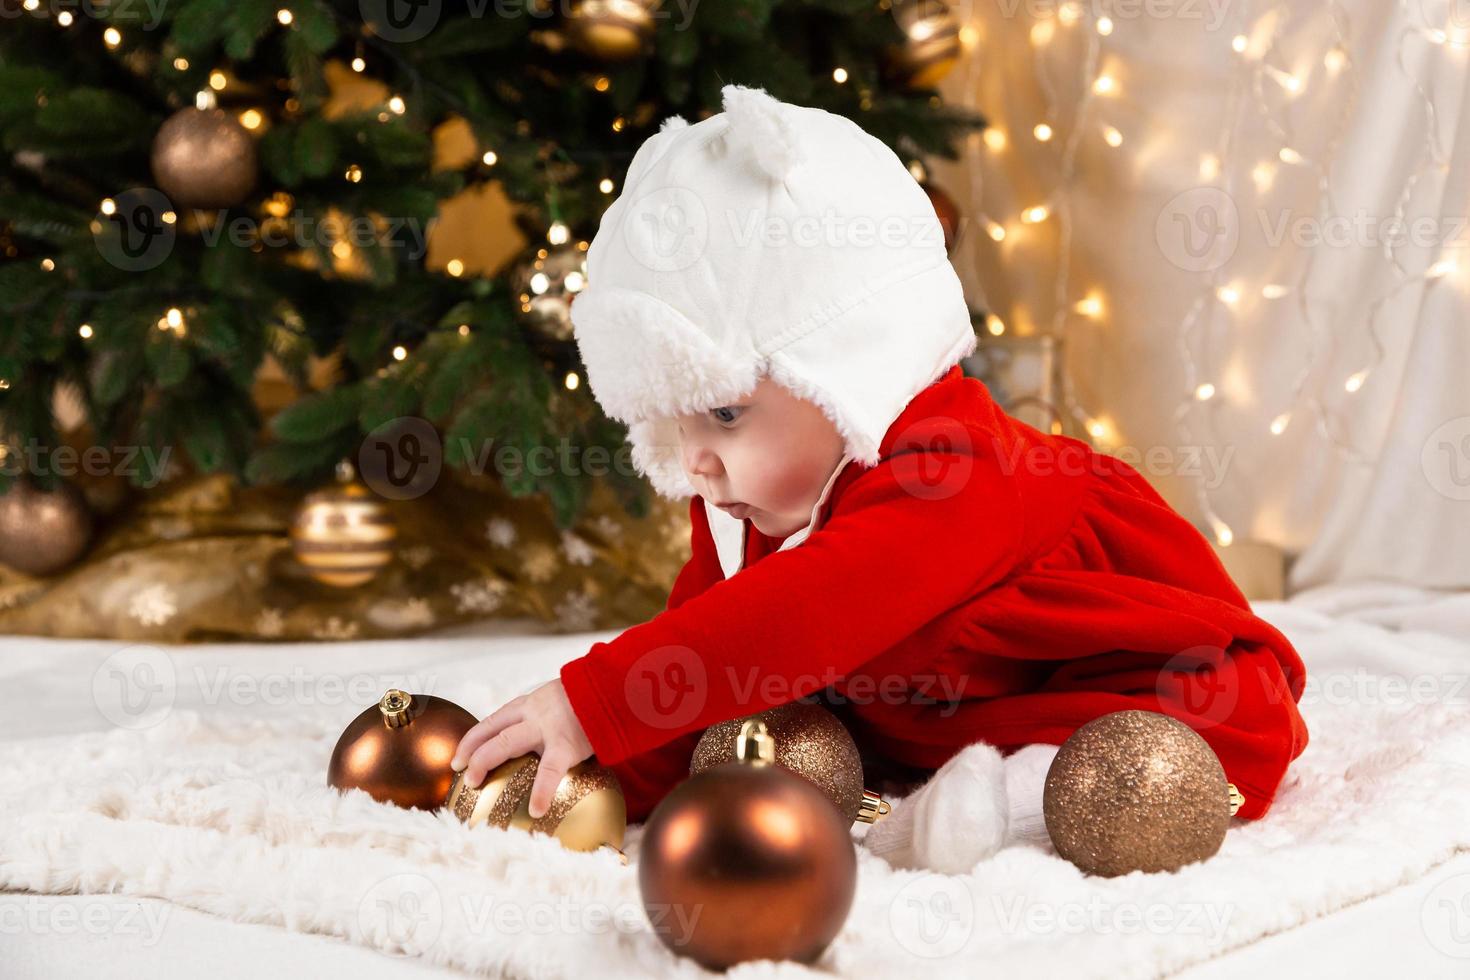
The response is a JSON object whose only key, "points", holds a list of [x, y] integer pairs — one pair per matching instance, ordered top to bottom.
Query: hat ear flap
{"points": [[761, 128]]}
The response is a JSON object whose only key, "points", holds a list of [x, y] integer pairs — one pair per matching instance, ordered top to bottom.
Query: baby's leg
{"points": [[975, 804]]}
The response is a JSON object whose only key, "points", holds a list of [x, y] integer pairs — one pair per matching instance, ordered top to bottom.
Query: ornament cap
{"points": [[395, 707], [755, 746], [1237, 799], [872, 808]]}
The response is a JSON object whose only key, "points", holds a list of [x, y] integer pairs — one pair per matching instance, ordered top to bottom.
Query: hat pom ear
{"points": [[673, 123], [760, 128]]}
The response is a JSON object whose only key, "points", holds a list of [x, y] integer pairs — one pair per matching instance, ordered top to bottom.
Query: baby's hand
{"points": [[542, 722]]}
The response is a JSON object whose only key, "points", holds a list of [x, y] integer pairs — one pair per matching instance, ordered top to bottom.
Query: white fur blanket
{"points": [[223, 808]]}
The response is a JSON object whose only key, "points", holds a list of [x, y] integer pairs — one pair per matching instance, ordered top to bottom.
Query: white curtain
{"points": [[1254, 220]]}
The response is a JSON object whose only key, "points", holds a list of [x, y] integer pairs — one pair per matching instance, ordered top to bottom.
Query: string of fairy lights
{"points": [[1267, 82], [174, 319]]}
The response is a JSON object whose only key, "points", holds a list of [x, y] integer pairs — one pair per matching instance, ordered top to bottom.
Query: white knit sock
{"points": [[975, 804]]}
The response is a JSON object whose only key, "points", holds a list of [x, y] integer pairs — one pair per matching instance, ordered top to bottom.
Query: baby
{"points": [[771, 310]]}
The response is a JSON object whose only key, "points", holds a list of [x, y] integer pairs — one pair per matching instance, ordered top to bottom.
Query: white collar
{"points": [[729, 531]]}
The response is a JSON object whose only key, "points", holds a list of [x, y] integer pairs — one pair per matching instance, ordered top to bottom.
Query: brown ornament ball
{"points": [[204, 158], [947, 211], [43, 531], [343, 535], [811, 742], [398, 751], [1136, 791], [587, 811], [746, 861]]}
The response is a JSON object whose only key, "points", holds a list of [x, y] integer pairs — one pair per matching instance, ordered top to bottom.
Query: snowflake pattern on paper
{"points": [[604, 525], [500, 532], [576, 548], [416, 556], [539, 562], [479, 596], [154, 605], [577, 611], [416, 612], [271, 622], [335, 629]]}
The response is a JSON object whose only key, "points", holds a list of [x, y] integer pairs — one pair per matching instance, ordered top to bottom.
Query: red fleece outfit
{"points": [[984, 581]]}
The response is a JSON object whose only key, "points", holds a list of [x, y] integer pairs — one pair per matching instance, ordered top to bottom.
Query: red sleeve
{"points": [[900, 547], [703, 568]]}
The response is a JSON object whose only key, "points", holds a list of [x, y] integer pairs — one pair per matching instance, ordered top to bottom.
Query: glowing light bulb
{"points": [[284, 16], [64, 18], [1105, 25], [1042, 32], [112, 37], [1239, 43], [1334, 60], [359, 65], [839, 75], [217, 80], [1104, 84], [397, 105], [1042, 132], [1112, 137], [995, 138], [1288, 155], [489, 158], [1209, 167], [605, 185], [109, 206], [1035, 215], [997, 231], [558, 233], [454, 267], [1441, 268], [1273, 291], [1228, 295], [1092, 306], [174, 318], [995, 325], [85, 331], [400, 353], [572, 381], [1355, 381], [1204, 392], [1279, 423], [1223, 535]]}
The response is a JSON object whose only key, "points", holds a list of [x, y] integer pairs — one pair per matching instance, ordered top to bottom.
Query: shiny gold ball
{"points": [[613, 30], [931, 43], [204, 158], [42, 532], [343, 535], [810, 742], [1136, 791], [587, 811]]}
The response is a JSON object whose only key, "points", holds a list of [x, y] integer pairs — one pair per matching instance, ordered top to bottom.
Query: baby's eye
{"points": [[723, 419]]}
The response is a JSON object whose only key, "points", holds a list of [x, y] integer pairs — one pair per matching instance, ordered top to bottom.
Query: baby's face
{"points": [[770, 453]]}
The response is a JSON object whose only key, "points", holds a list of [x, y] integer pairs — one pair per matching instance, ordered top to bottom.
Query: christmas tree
{"points": [[181, 200]]}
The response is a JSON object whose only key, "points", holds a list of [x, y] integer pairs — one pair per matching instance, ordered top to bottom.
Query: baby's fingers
{"points": [[492, 725], [514, 741], [548, 776]]}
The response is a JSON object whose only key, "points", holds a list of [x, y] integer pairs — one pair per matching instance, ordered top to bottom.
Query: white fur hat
{"points": [[767, 240]]}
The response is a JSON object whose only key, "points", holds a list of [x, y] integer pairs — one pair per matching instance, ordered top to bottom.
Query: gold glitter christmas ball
{"points": [[204, 158], [810, 742], [1136, 791], [587, 811]]}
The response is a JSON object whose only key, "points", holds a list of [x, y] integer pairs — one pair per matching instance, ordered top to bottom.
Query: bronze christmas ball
{"points": [[204, 158], [43, 531], [343, 535], [811, 742], [398, 751], [1136, 791], [746, 861]]}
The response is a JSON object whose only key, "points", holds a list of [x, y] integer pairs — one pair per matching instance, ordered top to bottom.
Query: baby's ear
{"points": [[762, 129]]}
